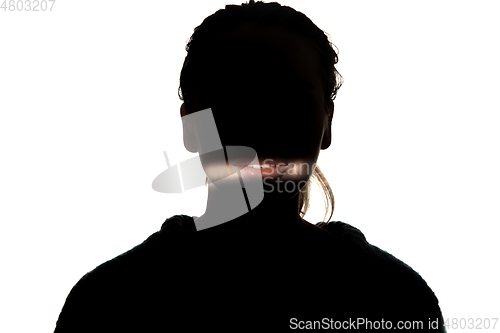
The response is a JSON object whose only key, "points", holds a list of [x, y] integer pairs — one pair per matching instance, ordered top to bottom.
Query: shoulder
{"points": [[179, 223], [350, 240], [351, 243], [145, 254], [384, 281], [127, 282]]}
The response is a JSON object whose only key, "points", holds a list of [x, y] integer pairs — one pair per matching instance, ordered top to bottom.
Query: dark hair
{"points": [[198, 62]]}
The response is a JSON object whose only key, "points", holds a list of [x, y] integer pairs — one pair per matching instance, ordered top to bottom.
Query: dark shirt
{"points": [[182, 280]]}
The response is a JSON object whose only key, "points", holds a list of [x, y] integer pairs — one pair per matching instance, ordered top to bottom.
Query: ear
{"points": [[188, 132], [327, 133]]}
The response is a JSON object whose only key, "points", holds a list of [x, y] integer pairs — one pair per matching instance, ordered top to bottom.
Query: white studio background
{"points": [[88, 100]]}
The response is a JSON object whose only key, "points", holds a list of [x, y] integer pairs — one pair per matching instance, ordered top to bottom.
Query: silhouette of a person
{"points": [[267, 73]]}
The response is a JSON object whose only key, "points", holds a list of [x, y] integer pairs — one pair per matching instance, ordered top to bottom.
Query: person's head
{"points": [[268, 74]]}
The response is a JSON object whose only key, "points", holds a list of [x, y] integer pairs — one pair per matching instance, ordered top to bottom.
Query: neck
{"points": [[276, 212]]}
